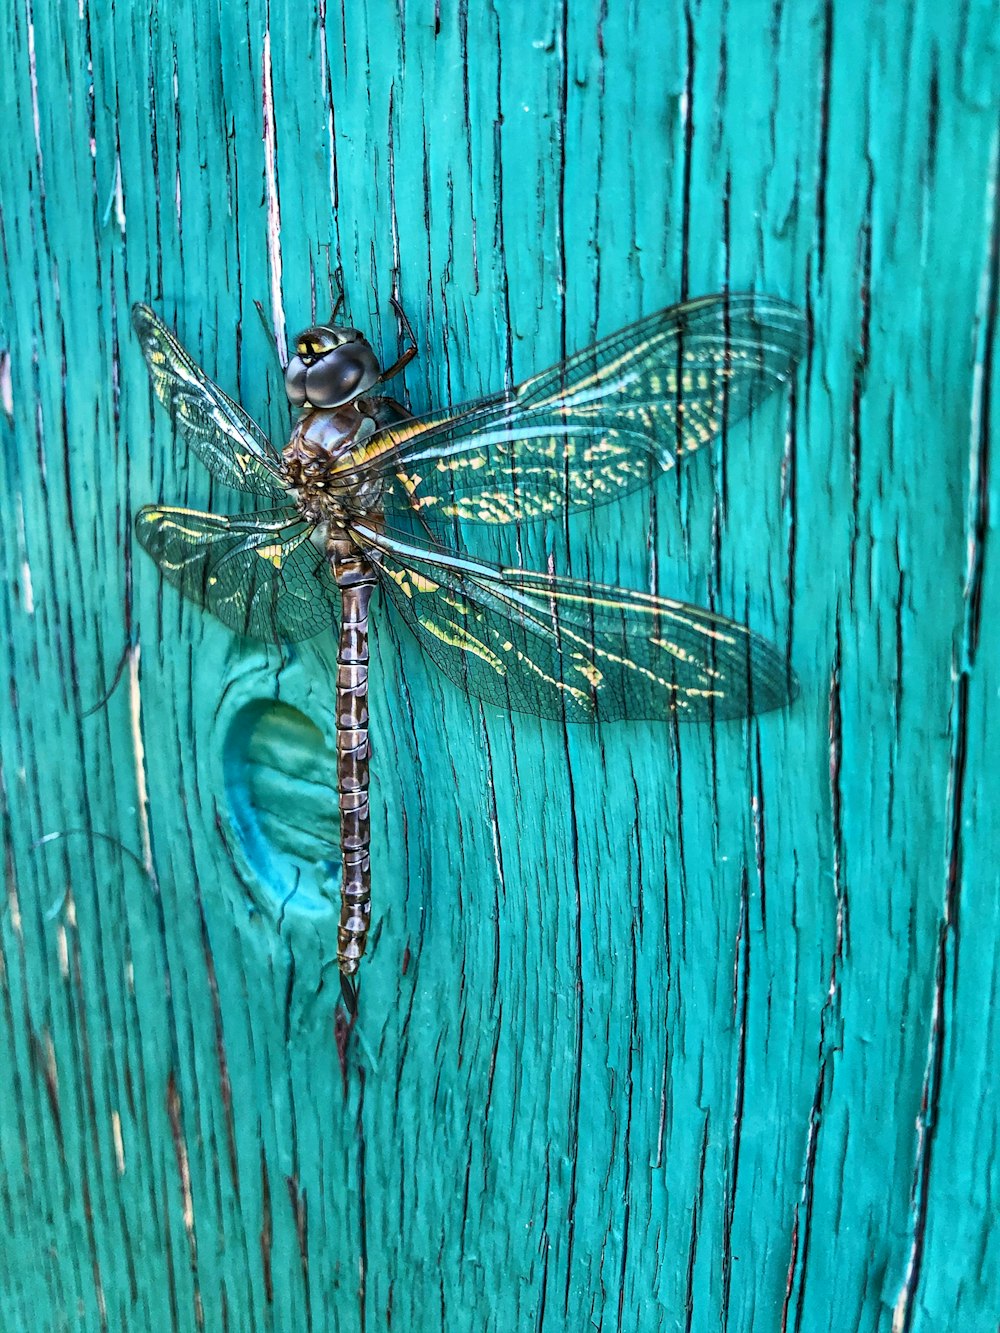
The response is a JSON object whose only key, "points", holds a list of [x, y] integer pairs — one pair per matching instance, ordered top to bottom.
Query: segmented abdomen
{"points": [[356, 580]]}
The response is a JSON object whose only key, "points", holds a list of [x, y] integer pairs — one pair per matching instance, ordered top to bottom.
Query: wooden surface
{"points": [[771, 1103]]}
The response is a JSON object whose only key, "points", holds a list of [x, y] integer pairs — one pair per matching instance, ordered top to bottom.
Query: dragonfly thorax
{"points": [[314, 464]]}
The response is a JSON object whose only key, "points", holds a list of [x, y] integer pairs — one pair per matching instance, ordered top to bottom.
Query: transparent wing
{"points": [[605, 421], [228, 442], [259, 573], [560, 647]]}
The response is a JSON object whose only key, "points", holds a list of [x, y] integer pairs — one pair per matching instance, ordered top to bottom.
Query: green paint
{"points": [[696, 1031]]}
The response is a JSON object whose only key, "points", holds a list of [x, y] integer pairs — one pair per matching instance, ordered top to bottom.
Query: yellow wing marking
{"points": [[603, 373], [382, 442], [460, 461], [171, 515], [274, 553], [408, 581], [654, 606], [456, 637], [683, 655], [588, 670], [577, 695]]}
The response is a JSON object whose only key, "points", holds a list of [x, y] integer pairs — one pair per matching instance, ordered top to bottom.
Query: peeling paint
{"points": [[33, 76], [116, 199], [273, 205], [6, 386], [26, 590], [139, 756], [116, 1133]]}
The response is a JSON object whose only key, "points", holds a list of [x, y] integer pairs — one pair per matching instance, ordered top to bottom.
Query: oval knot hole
{"points": [[280, 780]]}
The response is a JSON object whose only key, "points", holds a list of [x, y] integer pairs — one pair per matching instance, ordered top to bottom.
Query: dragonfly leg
{"points": [[336, 308], [269, 334], [408, 353]]}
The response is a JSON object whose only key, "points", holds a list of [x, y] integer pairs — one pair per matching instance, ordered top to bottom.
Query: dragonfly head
{"points": [[332, 364]]}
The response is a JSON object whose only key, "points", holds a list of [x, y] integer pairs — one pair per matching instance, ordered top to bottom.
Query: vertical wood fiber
{"points": [[771, 1103]]}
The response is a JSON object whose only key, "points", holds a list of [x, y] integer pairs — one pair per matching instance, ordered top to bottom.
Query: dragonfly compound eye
{"points": [[335, 378], [332, 379], [295, 381]]}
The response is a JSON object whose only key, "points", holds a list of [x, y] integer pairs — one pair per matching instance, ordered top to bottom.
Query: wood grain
{"points": [[770, 1105]]}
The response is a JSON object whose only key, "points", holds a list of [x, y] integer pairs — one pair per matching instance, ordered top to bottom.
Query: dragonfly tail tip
{"points": [[349, 993]]}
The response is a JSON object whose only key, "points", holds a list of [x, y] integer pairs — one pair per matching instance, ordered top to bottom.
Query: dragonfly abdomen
{"points": [[356, 579]]}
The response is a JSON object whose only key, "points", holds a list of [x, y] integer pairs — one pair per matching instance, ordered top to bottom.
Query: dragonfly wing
{"points": [[603, 422], [230, 444], [259, 573], [561, 647]]}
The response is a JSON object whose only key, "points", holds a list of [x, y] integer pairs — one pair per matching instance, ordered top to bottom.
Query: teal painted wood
{"points": [[767, 1105]]}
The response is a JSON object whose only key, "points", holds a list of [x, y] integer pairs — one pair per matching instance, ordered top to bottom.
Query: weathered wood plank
{"points": [[768, 1104]]}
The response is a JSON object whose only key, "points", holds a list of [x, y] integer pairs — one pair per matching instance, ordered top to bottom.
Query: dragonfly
{"points": [[365, 496]]}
